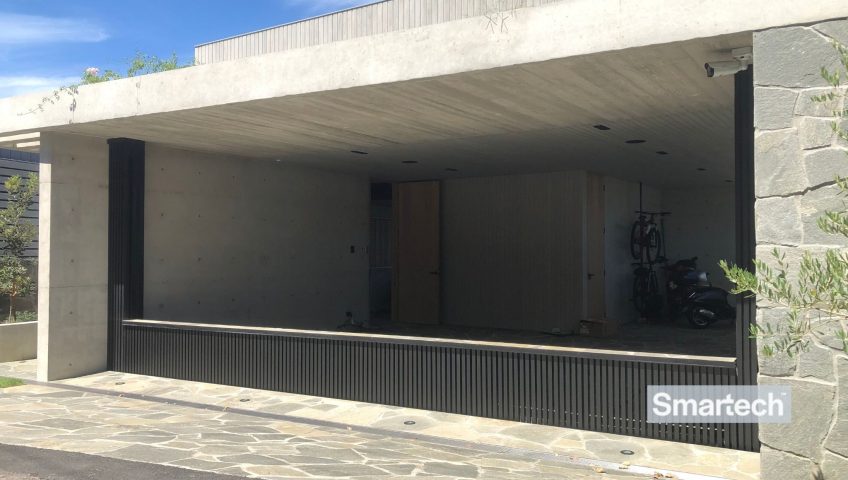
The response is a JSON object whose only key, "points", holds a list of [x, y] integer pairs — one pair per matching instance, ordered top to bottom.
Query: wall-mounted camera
{"points": [[742, 59]]}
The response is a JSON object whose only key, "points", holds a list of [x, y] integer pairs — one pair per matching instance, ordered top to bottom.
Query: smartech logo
{"points": [[719, 404]]}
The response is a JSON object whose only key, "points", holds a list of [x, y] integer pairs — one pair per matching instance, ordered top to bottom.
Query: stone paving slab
{"points": [[24, 370], [235, 435], [198, 439], [656, 454], [23, 463]]}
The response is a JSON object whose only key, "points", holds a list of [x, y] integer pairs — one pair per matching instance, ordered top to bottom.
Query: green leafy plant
{"points": [[141, 64], [17, 233], [816, 297], [27, 316], [10, 382]]}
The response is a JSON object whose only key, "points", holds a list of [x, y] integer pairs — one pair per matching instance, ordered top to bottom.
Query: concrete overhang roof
{"points": [[455, 90]]}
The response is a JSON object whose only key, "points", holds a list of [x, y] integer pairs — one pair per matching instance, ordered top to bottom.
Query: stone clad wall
{"points": [[797, 157]]}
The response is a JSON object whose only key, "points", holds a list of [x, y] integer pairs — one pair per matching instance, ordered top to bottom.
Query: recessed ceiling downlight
{"points": [[601, 127], [635, 141], [359, 152], [662, 152], [410, 162], [702, 169], [451, 170]]}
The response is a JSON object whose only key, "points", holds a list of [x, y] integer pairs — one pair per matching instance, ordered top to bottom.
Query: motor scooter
{"points": [[690, 293]]}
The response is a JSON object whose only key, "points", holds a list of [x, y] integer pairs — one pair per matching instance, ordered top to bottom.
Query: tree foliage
{"points": [[141, 64], [17, 233], [814, 292]]}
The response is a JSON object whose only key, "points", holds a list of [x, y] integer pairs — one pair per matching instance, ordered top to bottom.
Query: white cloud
{"points": [[31, 29], [19, 85]]}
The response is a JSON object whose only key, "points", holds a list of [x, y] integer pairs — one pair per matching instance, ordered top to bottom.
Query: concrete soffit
{"points": [[586, 27]]}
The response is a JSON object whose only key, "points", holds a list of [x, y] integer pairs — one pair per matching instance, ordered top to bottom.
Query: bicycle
{"points": [[646, 237], [646, 289]]}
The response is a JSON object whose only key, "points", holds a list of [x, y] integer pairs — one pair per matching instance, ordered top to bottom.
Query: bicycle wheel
{"points": [[636, 240], [653, 245], [653, 284], [642, 293]]}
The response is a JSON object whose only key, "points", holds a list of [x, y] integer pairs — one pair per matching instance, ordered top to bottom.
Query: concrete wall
{"points": [[797, 158], [621, 201], [702, 224], [238, 241], [72, 248], [512, 251], [18, 341]]}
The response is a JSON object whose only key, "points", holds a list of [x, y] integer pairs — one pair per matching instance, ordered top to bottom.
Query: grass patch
{"points": [[10, 382]]}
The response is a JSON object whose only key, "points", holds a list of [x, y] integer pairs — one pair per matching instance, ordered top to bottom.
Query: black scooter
{"points": [[690, 293]]}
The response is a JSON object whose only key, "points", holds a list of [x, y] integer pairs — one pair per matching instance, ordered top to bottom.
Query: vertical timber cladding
{"points": [[126, 241], [746, 348], [572, 390]]}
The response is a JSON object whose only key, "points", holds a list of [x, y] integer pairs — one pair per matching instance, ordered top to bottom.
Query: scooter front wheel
{"points": [[701, 318]]}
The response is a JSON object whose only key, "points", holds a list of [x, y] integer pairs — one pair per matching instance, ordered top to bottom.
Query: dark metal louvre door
{"points": [[126, 241], [746, 243], [542, 387]]}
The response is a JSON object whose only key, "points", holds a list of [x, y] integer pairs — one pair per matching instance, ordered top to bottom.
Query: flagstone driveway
{"points": [[223, 442]]}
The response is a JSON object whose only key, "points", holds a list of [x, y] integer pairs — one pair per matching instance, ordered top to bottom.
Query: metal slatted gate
{"points": [[542, 387]]}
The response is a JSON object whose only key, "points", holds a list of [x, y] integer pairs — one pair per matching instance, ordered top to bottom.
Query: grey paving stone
{"points": [[63, 394], [63, 424], [247, 429], [227, 437], [271, 437], [147, 439], [146, 453], [346, 455], [252, 459], [307, 460], [204, 465], [397, 469], [454, 470], [350, 471]]}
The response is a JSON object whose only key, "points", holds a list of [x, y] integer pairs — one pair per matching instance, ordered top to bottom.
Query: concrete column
{"points": [[797, 158], [72, 270]]}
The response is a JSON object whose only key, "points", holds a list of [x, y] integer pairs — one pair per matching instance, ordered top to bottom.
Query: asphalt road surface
{"points": [[24, 463]]}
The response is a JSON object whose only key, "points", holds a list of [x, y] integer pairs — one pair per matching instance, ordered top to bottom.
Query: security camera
{"points": [[742, 59], [721, 69]]}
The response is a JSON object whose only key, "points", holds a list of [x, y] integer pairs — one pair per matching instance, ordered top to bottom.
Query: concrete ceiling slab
{"points": [[520, 119]]}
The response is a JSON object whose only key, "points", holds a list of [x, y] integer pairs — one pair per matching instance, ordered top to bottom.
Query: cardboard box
{"points": [[598, 328]]}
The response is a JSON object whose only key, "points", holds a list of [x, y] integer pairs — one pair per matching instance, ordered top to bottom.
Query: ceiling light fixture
{"points": [[601, 126], [634, 142], [359, 152], [662, 152], [410, 162], [702, 169], [451, 170]]}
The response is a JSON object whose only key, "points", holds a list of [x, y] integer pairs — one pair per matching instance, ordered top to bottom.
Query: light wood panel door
{"points": [[595, 232], [417, 281]]}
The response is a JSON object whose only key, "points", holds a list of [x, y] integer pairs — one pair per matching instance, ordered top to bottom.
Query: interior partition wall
{"points": [[593, 390]]}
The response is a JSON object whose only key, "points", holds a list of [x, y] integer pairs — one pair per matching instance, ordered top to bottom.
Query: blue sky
{"points": [[47, 43]]}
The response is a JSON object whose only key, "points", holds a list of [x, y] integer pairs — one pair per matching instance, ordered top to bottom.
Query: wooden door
{"points": [[595, 232], [417, 254]]}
